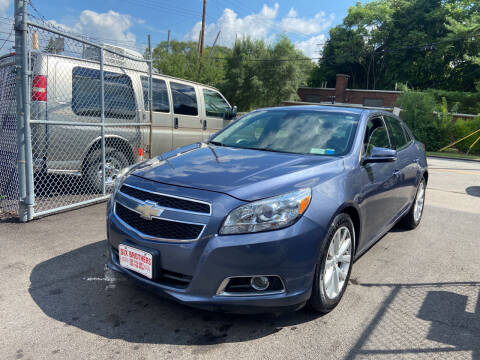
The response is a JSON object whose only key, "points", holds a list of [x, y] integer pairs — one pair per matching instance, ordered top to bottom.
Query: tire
{"points": [[115, 160], [412, 219], [323, 299]]}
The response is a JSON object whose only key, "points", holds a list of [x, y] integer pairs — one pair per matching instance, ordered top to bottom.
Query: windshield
{"points": [[292, 131]]}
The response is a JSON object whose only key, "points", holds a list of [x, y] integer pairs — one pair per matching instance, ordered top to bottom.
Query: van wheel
{"points": [[114, 162], [333, 269]]}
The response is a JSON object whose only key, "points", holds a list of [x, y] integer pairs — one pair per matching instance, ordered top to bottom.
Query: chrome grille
{"points": [[166, 200], [158, 228]]}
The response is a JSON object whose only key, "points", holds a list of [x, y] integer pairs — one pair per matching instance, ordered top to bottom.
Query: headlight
{"points": [[120, 176], [269, 214]]}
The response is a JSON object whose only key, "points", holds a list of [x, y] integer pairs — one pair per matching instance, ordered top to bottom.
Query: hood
{"points": [[242, 173]]}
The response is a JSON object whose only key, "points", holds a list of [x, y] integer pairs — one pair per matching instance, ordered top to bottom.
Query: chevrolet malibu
{"points": [[271, 212]]}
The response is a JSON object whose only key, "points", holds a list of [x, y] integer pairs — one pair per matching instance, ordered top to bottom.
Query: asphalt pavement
{"points": [[415, 294]]}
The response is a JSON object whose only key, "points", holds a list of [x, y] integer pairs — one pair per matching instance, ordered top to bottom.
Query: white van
{"points": [[66, 95]]}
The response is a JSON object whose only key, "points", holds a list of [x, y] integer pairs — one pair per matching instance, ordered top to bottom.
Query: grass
{"points": [[453, 155]]}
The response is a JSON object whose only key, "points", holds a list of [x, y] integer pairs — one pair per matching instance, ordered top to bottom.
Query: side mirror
{"points": [[230, 113], [379, 154]]}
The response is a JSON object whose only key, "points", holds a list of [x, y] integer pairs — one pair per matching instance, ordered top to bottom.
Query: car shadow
{"points": [[473, 191], [77, 289], [423, 320]]}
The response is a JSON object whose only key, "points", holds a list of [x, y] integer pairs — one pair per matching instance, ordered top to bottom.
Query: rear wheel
{"points": [[114, 162], [414, 216], [334, 266]]}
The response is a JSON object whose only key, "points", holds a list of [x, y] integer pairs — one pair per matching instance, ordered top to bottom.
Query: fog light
{"points": [[259, 283]]}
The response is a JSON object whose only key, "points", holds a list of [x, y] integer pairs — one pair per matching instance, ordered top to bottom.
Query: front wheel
{"points": [[334, 266]]}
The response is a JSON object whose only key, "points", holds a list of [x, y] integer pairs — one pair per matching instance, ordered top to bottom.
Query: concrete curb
{"points": [[452, 158]]}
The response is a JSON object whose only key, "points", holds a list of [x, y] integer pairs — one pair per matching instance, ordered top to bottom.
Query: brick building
{"points": [[341, 94]]}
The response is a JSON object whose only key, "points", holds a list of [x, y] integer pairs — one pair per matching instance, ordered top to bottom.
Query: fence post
{"points": [[150, 98], [102, 104], [25, 164]]}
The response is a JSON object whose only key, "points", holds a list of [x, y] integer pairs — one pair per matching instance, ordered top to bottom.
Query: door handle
{"points": [[175, 123], [204, 125], [396, 173]]}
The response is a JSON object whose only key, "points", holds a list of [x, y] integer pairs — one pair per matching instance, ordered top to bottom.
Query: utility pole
{"points": [[203, 28], [168, 42], [213, 46]]}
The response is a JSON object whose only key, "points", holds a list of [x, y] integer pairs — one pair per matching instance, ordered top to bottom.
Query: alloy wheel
{"points": [[419, 201], [338, 262]]}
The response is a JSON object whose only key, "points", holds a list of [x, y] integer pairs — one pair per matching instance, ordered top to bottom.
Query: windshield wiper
{"points": [[217, 143], [267, 149]]}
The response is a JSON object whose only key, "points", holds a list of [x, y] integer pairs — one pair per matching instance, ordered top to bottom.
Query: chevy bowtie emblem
{"points": [[149, 209]]}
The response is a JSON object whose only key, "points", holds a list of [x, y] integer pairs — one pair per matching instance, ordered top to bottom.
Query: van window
{"points": [[119, 95], [184, 99], [160, 101], [215, 105]]}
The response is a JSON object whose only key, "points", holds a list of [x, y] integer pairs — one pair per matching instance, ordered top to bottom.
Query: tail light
{"points": [[39, 88], [140, 154]]}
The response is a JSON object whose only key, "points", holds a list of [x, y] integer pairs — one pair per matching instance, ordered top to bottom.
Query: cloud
{"points": [[4, 4], [318, 23], [265, 25], [256, 26], [110, 27], [7, 34], [311, 47]]}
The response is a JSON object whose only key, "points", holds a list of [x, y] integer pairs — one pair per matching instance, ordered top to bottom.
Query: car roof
{"points": [[331, 108], [343, 109]]}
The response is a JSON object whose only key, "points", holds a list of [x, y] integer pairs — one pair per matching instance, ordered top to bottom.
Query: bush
{"points": [[459, 101], [429, 122]]}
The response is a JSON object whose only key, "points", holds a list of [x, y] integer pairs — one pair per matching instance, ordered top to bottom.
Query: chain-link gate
{"points": [[85, 110], [8, 138]]}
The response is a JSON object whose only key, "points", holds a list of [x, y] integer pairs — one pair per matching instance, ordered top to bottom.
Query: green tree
{"points": [[420, 42], [182, 60], [259, 75]]}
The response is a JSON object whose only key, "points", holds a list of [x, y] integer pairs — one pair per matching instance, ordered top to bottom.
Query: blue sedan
{"points": [[271, 212]]}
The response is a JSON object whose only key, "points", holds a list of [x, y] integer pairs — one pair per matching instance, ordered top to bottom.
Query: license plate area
{"points": [[138, 259]]}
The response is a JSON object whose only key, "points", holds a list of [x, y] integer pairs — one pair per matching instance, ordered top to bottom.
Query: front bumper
{"points": [[289, 253]]}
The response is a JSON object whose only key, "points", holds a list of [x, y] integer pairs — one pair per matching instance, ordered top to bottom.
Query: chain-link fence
{"points": [[84, 115], [86, 122], [8, 138]]}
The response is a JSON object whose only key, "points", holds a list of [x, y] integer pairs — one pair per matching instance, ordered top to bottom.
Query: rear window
{"points": [[119, 95], [184, 99], [160, 101], [397, 134]]}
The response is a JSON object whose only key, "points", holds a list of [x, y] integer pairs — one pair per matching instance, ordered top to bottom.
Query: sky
{"points": [[128, 22]]}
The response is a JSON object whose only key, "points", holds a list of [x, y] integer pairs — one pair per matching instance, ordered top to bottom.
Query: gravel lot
{"points": [[413, 295]]}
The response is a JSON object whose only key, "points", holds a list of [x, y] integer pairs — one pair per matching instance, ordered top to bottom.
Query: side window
{"points": [[119, 95], [184, 99], [160, 101], [215, 105], [407, 132], [376, 135], [397, 135]]}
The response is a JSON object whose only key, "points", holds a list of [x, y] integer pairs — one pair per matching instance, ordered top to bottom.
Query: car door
{"points": [[215, 107], [162, 119], [187, 124], [405, 166], [377, 198]]}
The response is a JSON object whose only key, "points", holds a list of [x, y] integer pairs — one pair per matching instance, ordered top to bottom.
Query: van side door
{"points": [[215, 107], [162, 119], [187, 124]]}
